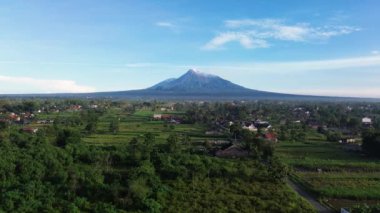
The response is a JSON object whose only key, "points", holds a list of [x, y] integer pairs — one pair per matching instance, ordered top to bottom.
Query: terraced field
{"points": [[338, 177]]}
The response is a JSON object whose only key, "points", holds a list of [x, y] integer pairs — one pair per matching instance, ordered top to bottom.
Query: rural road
{"points": [[319, 207]]}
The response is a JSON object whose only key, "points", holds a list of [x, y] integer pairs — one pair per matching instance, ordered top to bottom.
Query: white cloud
{"points": [[264, 23], [165, 24], [169, 26], [172, 26], [269, 30], [330, 31], [291, 33], [244, 39], [375, 52], [42, 85]]}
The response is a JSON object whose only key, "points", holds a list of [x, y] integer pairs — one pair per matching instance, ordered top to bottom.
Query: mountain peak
{"points": [[194, 72], [196, 81]]}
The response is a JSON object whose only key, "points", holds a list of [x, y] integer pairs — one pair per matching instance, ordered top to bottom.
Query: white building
{"points": [[157, 116], [366, 120], [251, 128]]}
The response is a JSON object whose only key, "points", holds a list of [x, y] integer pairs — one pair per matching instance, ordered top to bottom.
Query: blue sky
{"points": [[304, 47]]}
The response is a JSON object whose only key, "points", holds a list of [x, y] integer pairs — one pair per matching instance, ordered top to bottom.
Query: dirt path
{"points": [[319, 207]]}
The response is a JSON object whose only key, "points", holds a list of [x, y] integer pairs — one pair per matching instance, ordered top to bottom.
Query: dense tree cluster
{"points": [[371, 143], [66, 175]]}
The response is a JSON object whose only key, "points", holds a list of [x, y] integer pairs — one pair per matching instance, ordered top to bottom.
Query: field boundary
{"points": [[308, 196]]}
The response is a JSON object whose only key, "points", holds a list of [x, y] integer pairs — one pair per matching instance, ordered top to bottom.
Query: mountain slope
{"points": [[194, 81], [162, 84], [194, 85]]}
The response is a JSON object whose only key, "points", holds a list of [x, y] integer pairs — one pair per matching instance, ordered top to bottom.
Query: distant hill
{"points": [[194, 81], [194, 85]]}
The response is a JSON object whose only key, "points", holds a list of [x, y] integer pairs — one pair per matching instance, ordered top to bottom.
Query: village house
{"points": [[167, 107], [75, 108], [298, 109], [27, 115], [157, 116], [14, 117], [166, 117], [45, 121], [175, 121], [366, 122], [314, 124], [263, 125], [255, 126], [250, 127], [30, 130], [270, 136], [347, 140]]}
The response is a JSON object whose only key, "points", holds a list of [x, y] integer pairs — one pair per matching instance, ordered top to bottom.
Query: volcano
{"points": [[194, 85]]}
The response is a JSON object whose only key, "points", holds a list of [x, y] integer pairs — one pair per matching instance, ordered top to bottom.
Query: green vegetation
{"points": [[371, 143], [106, 156], [117, 158], [141, 176], [338, 177], [365, 209]]}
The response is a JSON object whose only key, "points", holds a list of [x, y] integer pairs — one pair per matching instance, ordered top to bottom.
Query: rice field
{"points": [[137, 125], [338, 177]]}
